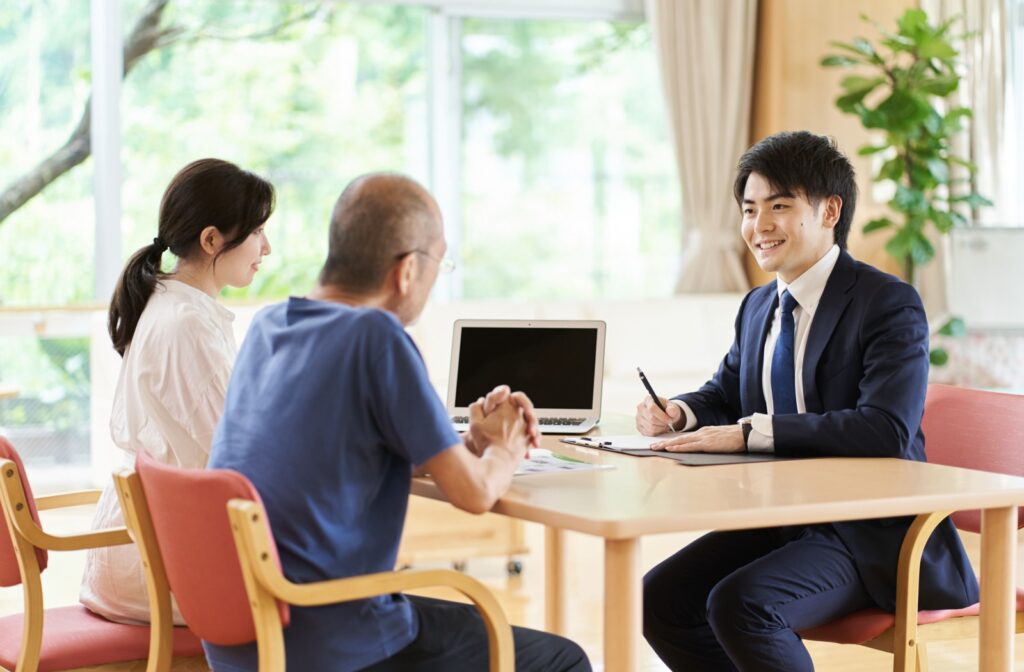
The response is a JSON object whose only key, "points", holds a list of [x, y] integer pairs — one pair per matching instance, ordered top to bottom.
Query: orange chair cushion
{"points": [[188, 508], [10, 575], [863, 626], [76, 637]]}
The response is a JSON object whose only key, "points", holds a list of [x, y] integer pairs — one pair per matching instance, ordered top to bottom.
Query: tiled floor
{"points": [[522, 598]]}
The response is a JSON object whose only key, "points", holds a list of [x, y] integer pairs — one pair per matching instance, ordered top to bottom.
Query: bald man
{"points": [[328, 413]]}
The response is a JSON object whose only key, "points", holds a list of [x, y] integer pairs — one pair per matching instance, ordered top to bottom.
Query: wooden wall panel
{"points": [[793, 92]]}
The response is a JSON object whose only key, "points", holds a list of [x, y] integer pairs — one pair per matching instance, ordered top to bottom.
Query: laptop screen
{"points": [[553, 366]]}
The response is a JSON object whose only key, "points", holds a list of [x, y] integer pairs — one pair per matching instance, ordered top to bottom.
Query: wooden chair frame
{"points": [[140, 528], [27, 535], [265, 584], [907, 640]]}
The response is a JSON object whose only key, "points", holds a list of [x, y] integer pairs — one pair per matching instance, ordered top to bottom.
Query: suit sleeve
{"points": [[890, 393], [717, 402]]}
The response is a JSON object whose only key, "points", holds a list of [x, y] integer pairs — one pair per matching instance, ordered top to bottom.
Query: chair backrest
{"points": [[975, 429], [188, 508], [10, 574]]}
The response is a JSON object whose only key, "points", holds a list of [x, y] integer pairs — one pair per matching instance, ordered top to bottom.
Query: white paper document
{"points": [[624, 442], [545, 462]]}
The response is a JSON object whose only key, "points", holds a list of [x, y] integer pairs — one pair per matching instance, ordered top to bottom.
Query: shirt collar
{"points": [[808, 288], [200, 297]]}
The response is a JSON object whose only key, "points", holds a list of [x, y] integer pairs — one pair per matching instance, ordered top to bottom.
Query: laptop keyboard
{"points": [[464, 419]]}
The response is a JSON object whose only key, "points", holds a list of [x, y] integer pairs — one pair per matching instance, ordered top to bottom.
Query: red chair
{"points": [[963, 428], [206, 532], [63, 638]]}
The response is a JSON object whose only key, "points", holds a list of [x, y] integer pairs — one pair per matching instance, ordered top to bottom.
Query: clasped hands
{"points": [[503, 418], [652, 421]]}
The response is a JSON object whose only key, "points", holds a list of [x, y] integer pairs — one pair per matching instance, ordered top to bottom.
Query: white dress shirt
{"points": [[807, 290], [169, 398]]}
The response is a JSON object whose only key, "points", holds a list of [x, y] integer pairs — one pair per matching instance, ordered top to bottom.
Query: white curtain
{"points": [[706, 53], [990, 136]]}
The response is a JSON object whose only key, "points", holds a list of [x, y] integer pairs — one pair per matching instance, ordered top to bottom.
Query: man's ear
{"points": [[833, 209], [211, 240], [404, 274]]}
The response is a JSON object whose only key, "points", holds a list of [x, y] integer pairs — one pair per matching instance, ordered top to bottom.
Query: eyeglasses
{"points": [[444, 264]]}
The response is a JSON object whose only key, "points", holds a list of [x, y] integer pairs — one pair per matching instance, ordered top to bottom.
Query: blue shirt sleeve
{"points": [[411, 417]]}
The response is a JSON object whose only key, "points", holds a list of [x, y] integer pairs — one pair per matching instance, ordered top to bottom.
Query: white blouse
{"points": [[170, 395]]}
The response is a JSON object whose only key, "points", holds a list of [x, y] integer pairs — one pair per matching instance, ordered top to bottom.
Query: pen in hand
{"points": [[650, 391]]}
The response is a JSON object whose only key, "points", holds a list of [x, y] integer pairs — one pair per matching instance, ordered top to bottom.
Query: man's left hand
{"points": [[714, 439]]}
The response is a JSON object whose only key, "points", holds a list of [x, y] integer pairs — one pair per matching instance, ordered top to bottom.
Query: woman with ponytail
{"points": [[177, 348]]}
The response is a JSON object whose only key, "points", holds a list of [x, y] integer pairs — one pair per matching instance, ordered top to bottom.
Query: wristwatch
{"points": [[746, 424]]}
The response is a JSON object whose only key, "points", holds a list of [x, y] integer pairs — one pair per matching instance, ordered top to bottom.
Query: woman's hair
{"points": [[208, 192]]}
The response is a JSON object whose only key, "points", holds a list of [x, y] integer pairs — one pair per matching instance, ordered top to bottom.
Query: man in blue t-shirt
{"points": [[328, 413]]}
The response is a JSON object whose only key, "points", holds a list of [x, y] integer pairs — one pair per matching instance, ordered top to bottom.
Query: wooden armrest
{"points": [[65, 499], [16, 507], [255, 548], [908, 584]]}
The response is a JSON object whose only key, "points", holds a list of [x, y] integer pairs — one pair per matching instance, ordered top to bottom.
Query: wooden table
{"points": [[8, 392], [651, 495]]}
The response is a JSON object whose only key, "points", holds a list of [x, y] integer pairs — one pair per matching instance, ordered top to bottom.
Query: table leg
{"points": [[554, 580], [998, 595], [622, 599]]}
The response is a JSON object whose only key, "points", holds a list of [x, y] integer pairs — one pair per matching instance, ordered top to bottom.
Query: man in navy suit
{"points": [[830, 359]]}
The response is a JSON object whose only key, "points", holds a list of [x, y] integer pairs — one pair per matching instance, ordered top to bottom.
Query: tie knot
{"points": [[788, 303]]}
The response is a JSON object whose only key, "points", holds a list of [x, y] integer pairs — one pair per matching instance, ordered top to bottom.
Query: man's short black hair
{"points": [[797, 162]]}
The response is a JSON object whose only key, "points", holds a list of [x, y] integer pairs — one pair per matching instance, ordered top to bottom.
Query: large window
{"points": [[339, 92], [537, 124], [567, 185]]}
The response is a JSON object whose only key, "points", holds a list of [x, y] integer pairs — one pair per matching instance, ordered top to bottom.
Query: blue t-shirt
{"points": [[327, 411]]}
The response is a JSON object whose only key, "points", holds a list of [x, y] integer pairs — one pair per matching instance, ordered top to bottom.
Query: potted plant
{"points": [[901, 89]]}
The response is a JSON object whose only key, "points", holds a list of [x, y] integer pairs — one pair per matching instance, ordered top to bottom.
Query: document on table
{"points": [[624, 442], [543, 461]]}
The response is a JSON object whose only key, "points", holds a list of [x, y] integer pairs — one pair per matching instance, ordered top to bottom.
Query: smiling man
{"points": [[830, 359]]}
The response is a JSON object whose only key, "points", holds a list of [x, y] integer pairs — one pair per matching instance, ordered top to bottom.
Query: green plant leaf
{"points": [[913, 23], [936, 47], [840, 61], [856, 83], [943, 85], [903, 109], [867, 150], [969, 165], [892, 169], [939, 170], [973, 199], [909, 200], [957, 218], [942, 220], [878, 224], [898, 247], [921, 249], [954, 326], [938, 357]]}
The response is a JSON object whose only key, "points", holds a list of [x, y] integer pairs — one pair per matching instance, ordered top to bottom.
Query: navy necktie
{"points": [[783, 366]]}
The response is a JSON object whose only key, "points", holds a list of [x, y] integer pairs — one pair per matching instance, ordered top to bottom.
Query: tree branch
{"points": [[146, 36]]}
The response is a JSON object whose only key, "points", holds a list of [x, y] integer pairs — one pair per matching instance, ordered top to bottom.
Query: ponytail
{"points": [[136, 284]]}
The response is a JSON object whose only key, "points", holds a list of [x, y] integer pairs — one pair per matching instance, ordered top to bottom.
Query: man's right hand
{"points": [[652, 421], [503, 427]]}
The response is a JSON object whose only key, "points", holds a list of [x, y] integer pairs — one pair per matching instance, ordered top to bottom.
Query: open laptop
{"points": [[559, 364]]}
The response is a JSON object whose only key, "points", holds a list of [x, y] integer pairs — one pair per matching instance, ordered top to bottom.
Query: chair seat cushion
{"points": [[863, 626], [76, 637]]}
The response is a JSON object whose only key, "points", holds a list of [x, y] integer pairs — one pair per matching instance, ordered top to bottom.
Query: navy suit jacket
{"points": [[865, 373]]}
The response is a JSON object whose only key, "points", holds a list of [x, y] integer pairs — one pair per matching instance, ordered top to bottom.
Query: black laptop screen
{"points": [[553, 366]]}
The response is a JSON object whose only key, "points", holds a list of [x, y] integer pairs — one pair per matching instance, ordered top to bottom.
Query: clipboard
{"points": [[687, 459]]}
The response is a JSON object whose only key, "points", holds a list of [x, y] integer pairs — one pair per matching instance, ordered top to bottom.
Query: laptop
{"points": [[559, 364]]}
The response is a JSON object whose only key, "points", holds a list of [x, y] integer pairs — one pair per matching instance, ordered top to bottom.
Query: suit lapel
{"points": [[834, 299], [761, 322]]}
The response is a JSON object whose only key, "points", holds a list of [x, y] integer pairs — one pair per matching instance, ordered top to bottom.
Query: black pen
{"points": [[650, 390]]}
